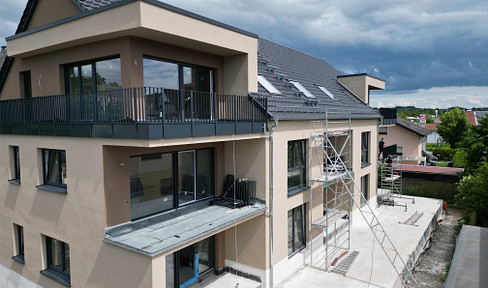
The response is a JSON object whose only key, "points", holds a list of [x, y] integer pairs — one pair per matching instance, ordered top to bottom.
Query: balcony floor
{"points": [[163, 232]]}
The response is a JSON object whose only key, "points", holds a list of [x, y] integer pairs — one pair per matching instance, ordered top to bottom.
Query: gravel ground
{"points": [[432, 266]]}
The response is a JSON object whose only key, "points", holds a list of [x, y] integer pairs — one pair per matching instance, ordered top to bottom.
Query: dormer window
{"points": [[267, 85], [302, 89], [327, 92]]}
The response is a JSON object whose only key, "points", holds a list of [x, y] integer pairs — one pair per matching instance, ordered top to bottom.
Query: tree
{"points": [[430, 119], [453, 127], [475, 141], [472, 194]]}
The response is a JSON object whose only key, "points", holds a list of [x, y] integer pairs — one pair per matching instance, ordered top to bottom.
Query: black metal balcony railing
{"points": [[145, 107], [389, 114]]}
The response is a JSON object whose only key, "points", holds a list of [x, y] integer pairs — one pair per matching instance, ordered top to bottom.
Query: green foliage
{"points": [[402, 115], [430, 119], [453, 127], [476, 143], [431, 146], [446, 154], [460, 158], [472, 194]]}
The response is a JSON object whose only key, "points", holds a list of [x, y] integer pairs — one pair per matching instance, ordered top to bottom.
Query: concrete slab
{"points": [[166, 231], [469, 265], [371, 266], [227, 280]]}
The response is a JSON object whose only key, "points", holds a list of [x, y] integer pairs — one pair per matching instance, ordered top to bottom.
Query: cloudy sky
{"points": [[432, 53]]}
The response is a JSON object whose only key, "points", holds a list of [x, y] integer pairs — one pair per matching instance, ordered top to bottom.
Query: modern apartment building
{"points": [[142, 145]]}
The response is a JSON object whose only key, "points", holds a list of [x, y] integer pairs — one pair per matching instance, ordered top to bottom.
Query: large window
{"points": [[93, 76], [177, 76], [365, 148], [15, 164], [54, 164], [296, 166], [164, 181], [364, 189], [296, 229], [19, 243], [58, 261]]}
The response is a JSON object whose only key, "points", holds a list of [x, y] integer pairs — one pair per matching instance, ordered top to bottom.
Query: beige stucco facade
{"points": [[410, 141], [98, 171]]}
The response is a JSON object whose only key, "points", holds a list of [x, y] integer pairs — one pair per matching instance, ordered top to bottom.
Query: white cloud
{"points": [[436, 97]]}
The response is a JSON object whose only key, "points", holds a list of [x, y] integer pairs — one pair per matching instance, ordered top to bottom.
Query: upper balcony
{"points": [[134, 113]]}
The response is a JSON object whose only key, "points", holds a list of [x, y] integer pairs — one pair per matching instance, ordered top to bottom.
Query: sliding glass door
{"points": [[186, 177], [165, 181], [185, 266]]}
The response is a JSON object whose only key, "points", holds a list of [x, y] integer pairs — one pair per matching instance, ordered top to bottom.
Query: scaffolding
{"points": [[333, 149], [391, 183]]}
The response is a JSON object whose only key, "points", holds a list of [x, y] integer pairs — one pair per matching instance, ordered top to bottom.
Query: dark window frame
{"points": [[92, 63], [181, 65], [26, 84], [365, 143], [174, 155], [15, 164], [296, 167], [60, 169], [364, 189], [304, 230], [19, 238], [176, 261], [62, 275]]}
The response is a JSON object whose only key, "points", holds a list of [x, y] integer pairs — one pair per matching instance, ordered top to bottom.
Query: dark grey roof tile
{"points": [[94, 4], [280, 64]]}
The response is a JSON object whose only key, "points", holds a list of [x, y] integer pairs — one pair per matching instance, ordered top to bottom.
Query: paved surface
{"points": [[432, 265], [371, 267], [469, 267], [227, 280]]}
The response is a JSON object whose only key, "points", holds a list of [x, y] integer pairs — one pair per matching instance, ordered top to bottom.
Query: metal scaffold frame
{"points": [[338, 182], [391, 183], [335, 224]]}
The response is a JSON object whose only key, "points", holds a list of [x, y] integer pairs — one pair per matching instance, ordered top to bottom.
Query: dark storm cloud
{"points": [[413, 45]]}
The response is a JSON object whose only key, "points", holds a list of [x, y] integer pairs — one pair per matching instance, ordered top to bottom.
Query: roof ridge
{"points": [[300, 52]]}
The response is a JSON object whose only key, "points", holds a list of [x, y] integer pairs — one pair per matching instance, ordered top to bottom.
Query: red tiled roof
{"points": [[471, 117], [431, 126], [430, 169]]}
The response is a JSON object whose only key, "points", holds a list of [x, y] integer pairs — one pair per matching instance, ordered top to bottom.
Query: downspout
{"points": [[270, 211]]}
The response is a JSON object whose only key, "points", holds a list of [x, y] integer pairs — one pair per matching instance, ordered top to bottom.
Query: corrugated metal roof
{"points": [[280, 65], [430, 169]]}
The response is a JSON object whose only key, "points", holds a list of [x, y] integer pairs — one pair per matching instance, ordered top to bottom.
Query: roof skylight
{"points": [[267, 85], [302, 89], [327, 92]]}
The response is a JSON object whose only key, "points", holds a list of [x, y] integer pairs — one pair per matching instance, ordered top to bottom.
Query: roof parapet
{"points": [[361, 84]]}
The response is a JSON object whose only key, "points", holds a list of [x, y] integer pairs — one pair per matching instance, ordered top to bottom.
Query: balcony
{"points": [[135, 113], [389, 115]]}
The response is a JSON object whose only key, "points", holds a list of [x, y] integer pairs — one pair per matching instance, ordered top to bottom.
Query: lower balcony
{"points": [[134, 113], [168, 231]]}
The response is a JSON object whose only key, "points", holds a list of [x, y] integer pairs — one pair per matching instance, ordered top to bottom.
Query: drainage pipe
{"points": [[270, 211]]}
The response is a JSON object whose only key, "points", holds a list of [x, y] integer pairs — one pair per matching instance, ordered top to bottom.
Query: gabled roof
{"points": [[280, 65], [473, 116], [431, 126], [412, 127]]}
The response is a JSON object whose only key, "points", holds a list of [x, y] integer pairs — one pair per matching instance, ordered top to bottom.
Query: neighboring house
{"points": [[474, 116], [122, 121], [433, 136], [409, 138]]}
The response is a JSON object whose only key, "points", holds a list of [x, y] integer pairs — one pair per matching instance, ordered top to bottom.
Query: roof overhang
{"points": [[147, 19], [361, 84]]}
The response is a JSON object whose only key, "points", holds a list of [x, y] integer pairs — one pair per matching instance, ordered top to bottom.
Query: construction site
{"points": [[362, 243]]}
